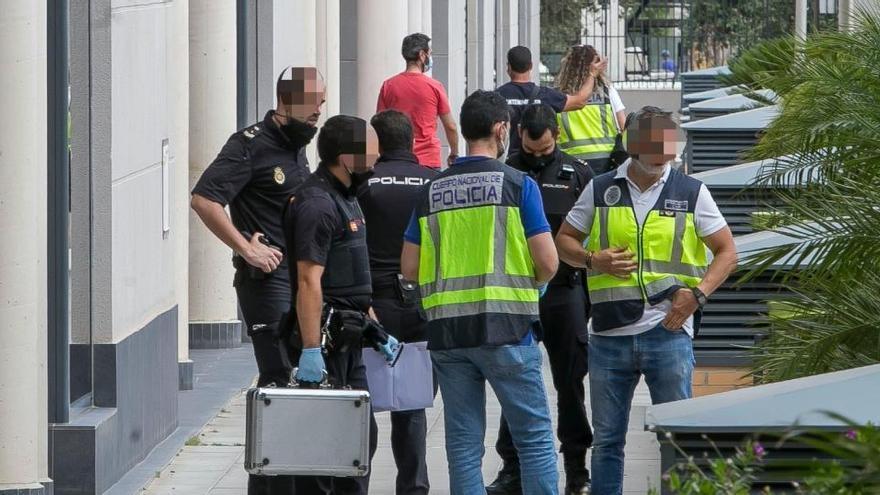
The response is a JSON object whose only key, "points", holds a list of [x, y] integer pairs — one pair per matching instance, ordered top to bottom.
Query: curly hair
{"points": [[576, 67]]}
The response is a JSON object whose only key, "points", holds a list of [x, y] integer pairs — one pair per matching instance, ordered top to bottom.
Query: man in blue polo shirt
{"points": [[481, 249]]}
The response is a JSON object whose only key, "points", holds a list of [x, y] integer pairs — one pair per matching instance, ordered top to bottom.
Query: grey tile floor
{"points": [[214, 466]]}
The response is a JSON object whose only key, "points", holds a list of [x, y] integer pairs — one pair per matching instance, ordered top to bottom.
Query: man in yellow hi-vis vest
{"points": [[646, 227], [480, 247]]}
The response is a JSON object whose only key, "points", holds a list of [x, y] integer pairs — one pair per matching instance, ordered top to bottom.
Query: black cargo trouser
{"points": [[262, 302], [564, 311], [344, 369], [409, 429]]}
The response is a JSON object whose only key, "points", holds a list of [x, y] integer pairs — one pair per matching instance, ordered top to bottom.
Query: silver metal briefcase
{"points": [[314, 432]]}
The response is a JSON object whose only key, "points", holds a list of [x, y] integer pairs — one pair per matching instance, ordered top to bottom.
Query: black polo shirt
{"points": [[518, 96], [255, 173], [560, 189], [387, 200], [313, 223]]}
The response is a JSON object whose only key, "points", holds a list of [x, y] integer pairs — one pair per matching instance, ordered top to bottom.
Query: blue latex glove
{"points": [[542, 289], [389, 349], [311, 366]]}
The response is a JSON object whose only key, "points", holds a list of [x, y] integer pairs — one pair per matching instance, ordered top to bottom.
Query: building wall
{"points": [[129, 100], [143, 262]]}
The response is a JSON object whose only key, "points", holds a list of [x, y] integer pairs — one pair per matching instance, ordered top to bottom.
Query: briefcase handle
{"points": [[325, 383]]}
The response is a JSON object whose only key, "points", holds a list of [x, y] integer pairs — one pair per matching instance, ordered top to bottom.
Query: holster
{"points": [[246, 269], [341, 330]]}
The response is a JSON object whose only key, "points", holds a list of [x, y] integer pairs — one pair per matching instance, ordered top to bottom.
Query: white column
{"points": [[427, 6], [844, 11], [507, 15], [414, 16], [800, 18], [381, 26], [530, 31], [306, 34], [178, 99], [212, 118], [23, 245]]}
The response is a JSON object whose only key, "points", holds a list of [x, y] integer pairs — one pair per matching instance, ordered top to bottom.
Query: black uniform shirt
{"points": [[518, 95], [255, 173], [561, 181], [388, 199], [313, 223]]}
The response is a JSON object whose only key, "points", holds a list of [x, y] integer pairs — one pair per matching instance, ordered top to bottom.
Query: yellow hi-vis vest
{"points": [[588, 133], [669, 251], [476, 274]]}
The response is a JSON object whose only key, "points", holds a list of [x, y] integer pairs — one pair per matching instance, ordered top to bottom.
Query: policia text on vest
{"points": [[488, 296]]}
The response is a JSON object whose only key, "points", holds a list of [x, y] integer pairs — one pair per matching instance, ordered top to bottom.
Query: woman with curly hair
{"points": [[589, 133]]}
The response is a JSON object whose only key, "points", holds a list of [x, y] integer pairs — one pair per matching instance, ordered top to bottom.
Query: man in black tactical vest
{"points": [[255, 173], [388, 198], [325, 230], [564, 308]]}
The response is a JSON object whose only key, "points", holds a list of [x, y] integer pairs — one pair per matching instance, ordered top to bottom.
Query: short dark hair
{"points": [[413, 45], [520, 59], [480, 111], [646, 114], [538, 119], [393, 129], [341, 135]]}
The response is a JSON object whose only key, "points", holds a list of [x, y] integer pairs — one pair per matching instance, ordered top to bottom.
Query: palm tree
{"points": [[828, 186]]}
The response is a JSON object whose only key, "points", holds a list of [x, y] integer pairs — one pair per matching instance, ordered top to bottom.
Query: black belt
{"points": [[572, 279], [385, 292]]}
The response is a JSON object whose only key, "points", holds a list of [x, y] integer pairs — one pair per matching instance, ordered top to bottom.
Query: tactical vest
{"points": [[588, 133], [668, 249], [347, 270], [476, 274]]}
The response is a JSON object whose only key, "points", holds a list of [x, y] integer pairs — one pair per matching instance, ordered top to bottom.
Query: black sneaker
{"points": [[507, 483]]}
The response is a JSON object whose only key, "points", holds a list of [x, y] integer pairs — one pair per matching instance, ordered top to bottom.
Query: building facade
{"points": [[97, 342]]}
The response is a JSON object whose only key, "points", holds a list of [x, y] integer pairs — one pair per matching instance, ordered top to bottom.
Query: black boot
{"points": [[577, 476], [507, 483]]}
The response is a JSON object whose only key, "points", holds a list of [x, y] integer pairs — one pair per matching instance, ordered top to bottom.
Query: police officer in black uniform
{"points": [[255, 173], [388, 199], [326, 235], [564, 307]]}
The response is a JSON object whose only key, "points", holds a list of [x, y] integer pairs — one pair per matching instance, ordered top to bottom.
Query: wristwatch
{"points": [[701, 297]]}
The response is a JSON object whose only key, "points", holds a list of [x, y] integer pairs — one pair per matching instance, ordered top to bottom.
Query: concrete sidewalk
{"points": [[212, 461]]}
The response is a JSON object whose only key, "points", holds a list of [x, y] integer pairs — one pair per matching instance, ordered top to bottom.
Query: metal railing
{"points": [[649, 43]]}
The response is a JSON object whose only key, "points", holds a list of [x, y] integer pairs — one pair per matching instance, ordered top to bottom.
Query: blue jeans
{"points": [[667, 361], [514, 372]]}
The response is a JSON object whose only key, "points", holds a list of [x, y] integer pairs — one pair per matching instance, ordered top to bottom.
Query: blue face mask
{"points": [[428, 65]]}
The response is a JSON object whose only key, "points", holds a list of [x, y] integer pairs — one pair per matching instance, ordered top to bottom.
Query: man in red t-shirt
{"points": [[422, 99]]}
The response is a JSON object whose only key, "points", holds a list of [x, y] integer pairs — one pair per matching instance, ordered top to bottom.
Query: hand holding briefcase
{"points": [[314, 432]]}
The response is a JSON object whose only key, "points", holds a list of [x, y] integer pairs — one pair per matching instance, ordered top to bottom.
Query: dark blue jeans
{"points": [[665, 358]]}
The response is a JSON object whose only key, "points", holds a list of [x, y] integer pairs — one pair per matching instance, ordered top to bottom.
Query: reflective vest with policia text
{"points": [[588, 133], [669, 251], [476, 275]]}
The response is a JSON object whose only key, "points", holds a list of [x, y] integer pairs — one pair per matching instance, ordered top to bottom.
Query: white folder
{"points": [[407, 385]]}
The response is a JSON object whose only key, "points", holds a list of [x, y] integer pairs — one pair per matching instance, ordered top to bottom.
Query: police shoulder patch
{"points": [[252, 131], [612, 195]]}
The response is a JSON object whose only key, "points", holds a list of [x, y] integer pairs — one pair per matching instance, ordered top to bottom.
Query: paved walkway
{"points": [[211, 462]]}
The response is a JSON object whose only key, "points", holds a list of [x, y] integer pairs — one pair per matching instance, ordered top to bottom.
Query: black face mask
{"points": [[299, 133], [535, 162]]}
